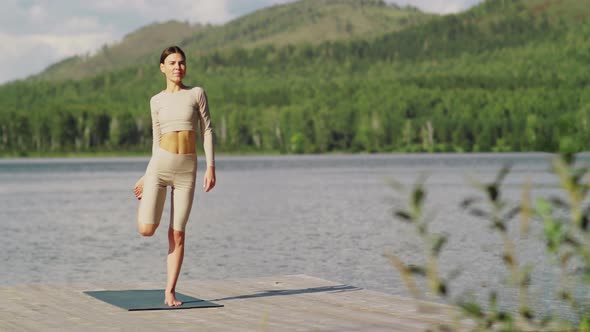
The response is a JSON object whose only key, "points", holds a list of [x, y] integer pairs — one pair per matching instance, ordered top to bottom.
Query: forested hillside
{"points": [[307, 21], [136, 47], [507, 75]]}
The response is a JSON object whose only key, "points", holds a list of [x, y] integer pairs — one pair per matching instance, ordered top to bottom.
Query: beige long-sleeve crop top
{"points": [[182, 110]]}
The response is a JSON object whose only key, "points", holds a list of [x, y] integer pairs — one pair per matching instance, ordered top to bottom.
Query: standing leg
{"points": [[183, 192], [174, 259], [174, 263]]}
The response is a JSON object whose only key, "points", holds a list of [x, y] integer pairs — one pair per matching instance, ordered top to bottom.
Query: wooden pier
{"points": [[282, 303]]}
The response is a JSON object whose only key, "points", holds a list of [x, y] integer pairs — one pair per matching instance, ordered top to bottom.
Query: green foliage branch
{"points": [[566, 236]]}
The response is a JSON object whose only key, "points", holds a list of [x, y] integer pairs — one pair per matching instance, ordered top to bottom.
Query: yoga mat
{"points": [[151, 299]]}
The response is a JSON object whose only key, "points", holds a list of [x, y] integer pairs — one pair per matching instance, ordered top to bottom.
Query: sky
{"points": [[37, 33]]}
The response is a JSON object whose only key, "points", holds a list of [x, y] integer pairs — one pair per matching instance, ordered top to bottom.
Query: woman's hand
{"points": [[209, 180], [138, 188]]}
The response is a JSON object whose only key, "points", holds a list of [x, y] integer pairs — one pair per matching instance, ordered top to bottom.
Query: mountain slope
{"points": [[572, 11], [306, 21], [309, 21], [492, 25], [133, 48]]}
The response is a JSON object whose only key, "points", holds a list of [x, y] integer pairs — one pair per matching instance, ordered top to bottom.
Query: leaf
{"points": [[561, 168], [502, 175], [578, 175], [493, 192], [418, 197], [558, 202], [466, 203], [543, 207], [478, 213], [512, 213], [526, 213], [403, 215], [585, 221], [499, 226], [422, 229], [553, 234], [570, 240], [439, 242], [508, 259], [417, 270], [405, 274], [525, 279], [442, 289], [565, 295], [493, 299], [472, 309], [526, 313], [504, 317]]}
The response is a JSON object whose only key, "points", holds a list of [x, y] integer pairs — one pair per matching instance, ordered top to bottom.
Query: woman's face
{"points": [[174, 67]]}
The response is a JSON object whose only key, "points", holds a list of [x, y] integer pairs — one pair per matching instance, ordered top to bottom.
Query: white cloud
{"points": [[111, 5], [431, 6], [438, 6], [203, 11], [212, 11], [37, 13], [76, 25], [14, 46], [64, 46], [25, 55]]}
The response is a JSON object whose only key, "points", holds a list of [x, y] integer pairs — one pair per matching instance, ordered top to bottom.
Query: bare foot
{"points": [[138, 188], [171, 300]]}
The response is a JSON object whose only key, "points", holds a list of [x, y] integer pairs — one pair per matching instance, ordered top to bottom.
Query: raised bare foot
{"points": [[138, 188], [171, 300]]}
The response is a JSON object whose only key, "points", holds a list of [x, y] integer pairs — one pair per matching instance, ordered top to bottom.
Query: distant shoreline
{"points": [[114, 154], [98, 155]]}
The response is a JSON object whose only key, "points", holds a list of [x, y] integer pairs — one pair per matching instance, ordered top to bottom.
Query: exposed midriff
{"points": [[179, 142]]}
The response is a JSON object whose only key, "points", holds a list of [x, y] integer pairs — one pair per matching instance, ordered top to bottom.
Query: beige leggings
{"points": [[168, 169]]}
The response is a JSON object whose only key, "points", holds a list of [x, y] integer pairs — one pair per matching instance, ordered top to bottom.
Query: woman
{"points": [[175, 113]]}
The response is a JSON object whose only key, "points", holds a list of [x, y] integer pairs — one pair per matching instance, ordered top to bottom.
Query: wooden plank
{"points": [[278, 303]]}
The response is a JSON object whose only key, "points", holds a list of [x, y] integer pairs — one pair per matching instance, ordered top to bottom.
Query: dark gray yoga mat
{"points": [[150, 299]]}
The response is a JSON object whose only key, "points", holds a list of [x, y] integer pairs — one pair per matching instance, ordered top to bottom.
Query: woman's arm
{"points": [[155, 125], [207, 137]]}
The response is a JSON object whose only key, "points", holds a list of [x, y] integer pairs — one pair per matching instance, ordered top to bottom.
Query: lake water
{"points": [[73, 220]]}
